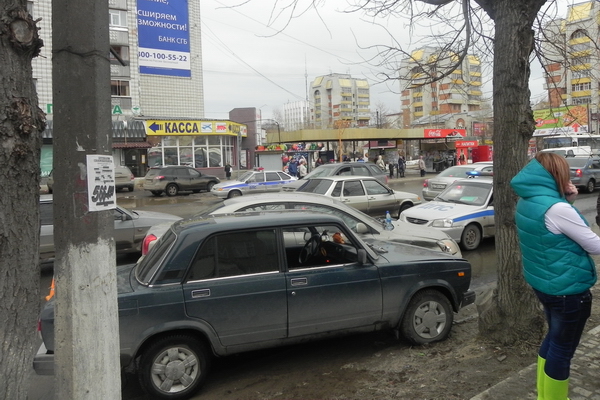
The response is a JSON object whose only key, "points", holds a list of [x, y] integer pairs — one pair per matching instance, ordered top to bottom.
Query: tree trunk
{"points": [[21, 124], [513, 313]]}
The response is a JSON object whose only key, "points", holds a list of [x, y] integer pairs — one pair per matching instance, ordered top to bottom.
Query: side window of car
{"points": [[596, 164], [375, 170], [345, 171], [362, 171], [182, 173], [194, 174], [272, 176], [283, 176], [259, 177], [374, 187], [353, 188], [337, 190], [263, 207], [46, 214], [348, 219], [236, 254]]}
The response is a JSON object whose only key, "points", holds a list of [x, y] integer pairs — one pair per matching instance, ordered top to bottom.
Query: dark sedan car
{"points": [[173, 179], [235, 283]]}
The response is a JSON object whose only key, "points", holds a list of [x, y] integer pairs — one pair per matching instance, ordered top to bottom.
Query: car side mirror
{"points": [[361, 228], [361, 256]]}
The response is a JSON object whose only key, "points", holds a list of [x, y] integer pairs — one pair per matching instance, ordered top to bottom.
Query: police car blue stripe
{"points": [[485, 213]]}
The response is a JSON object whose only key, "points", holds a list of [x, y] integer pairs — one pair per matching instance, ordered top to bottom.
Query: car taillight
{"points": [[578, 173], [131, 177], [159, 177], [426, 183], [146, 243]]}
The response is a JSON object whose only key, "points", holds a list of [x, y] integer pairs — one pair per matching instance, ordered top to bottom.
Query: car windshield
{"points": [[458, 171], [245, 176], [319, 186], [466, 192]]}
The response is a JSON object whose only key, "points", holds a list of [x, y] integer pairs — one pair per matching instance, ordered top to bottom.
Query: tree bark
{"points": [[21, 124], [513, 314]]}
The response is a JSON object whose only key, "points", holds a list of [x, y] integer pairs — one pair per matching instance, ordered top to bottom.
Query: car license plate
{"points": [[434, 186]]}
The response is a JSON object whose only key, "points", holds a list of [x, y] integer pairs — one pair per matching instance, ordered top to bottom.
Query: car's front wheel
{"points": [[209, 186], [171, 189], [234, 193], [404, 207], [471, 237], [428, 318], [174, 367]]}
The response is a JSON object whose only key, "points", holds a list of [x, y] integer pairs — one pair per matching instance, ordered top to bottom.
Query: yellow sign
{"points": [[194, 127]]}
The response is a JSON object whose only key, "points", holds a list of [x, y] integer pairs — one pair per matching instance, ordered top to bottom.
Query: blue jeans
{"points": [[566, 316]]}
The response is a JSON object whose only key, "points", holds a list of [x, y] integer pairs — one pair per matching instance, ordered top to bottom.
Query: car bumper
{"points": [[222, 194], [430, 194], [468, 298], [43, 363]]}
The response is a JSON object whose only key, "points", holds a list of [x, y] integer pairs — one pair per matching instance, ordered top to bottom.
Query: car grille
{"points": [[417, 221]]}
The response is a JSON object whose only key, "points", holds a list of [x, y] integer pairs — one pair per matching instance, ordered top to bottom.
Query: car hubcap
{"points": [[430, 320], [175, 369]]}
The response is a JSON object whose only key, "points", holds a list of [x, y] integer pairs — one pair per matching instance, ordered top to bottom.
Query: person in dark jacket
{"points": [[228, 171], [556, 242]]}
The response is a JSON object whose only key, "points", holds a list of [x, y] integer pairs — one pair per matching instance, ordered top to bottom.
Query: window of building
{"points": [[30, 8], [118, 18], [580, 33], [581, 46], [122, 52], [581, 60], [475, 68], [583, 73], [456, 76], [581, 86], [119, 88], [418, 99], [581, 100], [455, 107], [419, 109], [194, 151]]}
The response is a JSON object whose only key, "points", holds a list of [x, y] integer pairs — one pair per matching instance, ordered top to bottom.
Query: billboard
{"points": [[164, 37], [561, 120], [444, 133]]}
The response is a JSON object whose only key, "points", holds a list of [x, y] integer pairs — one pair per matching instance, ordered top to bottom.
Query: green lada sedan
{"points": [[221, 285]]}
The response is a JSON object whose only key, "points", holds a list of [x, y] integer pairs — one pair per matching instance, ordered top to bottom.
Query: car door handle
{"points": [[299, 281], [200, 293]]}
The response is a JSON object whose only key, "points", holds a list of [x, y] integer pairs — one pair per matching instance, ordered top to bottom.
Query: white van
{"points": [[571, 151]]}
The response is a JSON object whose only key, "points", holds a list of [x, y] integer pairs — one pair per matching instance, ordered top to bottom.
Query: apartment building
{"points": [[571, 57], [339, 100], [434, 104], [296, 115]]}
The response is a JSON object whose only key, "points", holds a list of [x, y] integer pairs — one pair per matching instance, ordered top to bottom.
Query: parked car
{"points": [[356, 168], [585, 172], [124, 178], [173, 179], [252, 182], [436, 185], [364, 193], [464, 210], [360, 223], [130, 227], [237, 283]]}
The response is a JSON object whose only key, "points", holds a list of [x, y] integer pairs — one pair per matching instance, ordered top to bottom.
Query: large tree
{"points": [[504, 29], [21, 124]]}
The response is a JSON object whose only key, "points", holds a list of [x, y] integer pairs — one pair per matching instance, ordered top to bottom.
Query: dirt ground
{"points": [[371, 366]]}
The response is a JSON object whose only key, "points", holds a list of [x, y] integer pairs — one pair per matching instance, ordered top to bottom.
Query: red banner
{"points": [[443, 133], [466, 143]]}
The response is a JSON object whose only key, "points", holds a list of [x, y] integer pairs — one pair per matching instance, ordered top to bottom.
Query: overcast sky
{"points": [[247, 63]]}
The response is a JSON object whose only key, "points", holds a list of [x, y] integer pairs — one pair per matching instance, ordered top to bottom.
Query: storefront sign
{"points": [[191, 127], [444, 133], [466, 143]]}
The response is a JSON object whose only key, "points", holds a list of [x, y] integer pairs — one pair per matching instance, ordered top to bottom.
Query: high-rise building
{"points": [[571, 57], [155, 64], [339, 98], [432, 103], [295, 115]]}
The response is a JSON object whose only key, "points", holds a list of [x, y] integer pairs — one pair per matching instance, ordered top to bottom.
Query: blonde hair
{"points": [[558, 168]]}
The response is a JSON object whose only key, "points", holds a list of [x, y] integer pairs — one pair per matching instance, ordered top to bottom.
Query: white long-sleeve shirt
{"points": [[562, 218]]}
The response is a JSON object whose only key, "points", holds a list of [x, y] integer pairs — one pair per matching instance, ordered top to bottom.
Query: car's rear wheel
{"points": [[591, 185], [209, 186], [171, 189], [156, 192], [234, 193], [403, 207], [471, 237], [428, 318], [174, 367]]}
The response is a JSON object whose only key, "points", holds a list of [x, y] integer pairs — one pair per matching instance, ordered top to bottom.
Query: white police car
{"points": [[252, 182], [464, 210]]}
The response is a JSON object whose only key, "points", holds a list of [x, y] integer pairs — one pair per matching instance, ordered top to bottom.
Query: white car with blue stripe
{"points": [[252, 182], [464, 210]]}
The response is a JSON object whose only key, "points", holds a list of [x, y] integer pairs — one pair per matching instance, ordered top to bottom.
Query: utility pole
{"points": [[86, 316]]}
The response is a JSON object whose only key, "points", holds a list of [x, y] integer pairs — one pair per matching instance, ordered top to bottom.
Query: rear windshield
{"points": [[577, 162], [153, 172], [460, 172], [318, 186], [147, 266]]}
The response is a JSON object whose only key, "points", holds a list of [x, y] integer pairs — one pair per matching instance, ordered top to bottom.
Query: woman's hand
{"points": [[571, 193]]}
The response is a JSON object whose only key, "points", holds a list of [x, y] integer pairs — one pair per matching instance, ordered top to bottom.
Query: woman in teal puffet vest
{"points": [[556, 242]]}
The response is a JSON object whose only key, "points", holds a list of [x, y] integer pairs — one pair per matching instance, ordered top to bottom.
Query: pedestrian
{"points": [[318, 162], [380, 163], [422, 165], [391, 166], [401, 166], [293, 167], [302, 169], [228, 171], [556, 242]]}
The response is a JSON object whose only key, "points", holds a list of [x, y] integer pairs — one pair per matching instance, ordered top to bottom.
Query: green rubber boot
{"points": [[541, 362], [555, 390]]}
